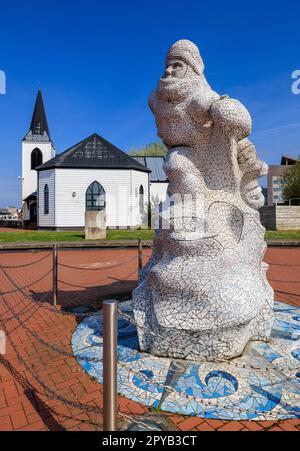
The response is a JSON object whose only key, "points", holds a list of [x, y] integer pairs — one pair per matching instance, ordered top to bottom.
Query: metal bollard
{"points": [[140, 250], [55, 275], [110, 342]]}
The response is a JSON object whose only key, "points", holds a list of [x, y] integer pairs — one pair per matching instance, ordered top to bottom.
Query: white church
{"points": [[93, 175]]}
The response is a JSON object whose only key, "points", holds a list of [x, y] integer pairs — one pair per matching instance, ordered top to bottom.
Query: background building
{"points": [[92, 175], [274, 180], [9, 214]]}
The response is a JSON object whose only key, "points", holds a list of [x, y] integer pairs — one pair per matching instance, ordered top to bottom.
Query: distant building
{"points": [[92, 175], [274, 180], [9, 214]]}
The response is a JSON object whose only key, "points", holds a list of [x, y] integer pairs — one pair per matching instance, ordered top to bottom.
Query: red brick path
{"points": [[23, 403]]}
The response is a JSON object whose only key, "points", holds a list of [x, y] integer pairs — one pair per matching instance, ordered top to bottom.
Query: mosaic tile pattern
{"points": [[205, 286], [263, 384]]}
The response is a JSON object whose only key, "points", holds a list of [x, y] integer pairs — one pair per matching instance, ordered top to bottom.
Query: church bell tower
{"points": [[37, 148]]}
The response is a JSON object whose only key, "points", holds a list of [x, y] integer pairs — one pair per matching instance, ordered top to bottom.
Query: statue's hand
{"points": [[232, 117]]}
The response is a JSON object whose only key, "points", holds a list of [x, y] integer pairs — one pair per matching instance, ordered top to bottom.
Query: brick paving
{"points": [[24, 404]]}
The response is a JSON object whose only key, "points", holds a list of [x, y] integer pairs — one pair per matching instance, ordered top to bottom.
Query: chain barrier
{"points": [[27, 264], [97, 269], [93, 282], [17, 288], [45, 306], [45, 343], [47, 389]]}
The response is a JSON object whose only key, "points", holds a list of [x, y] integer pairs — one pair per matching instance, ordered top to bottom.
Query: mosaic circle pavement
{"points": [[263, 384]]}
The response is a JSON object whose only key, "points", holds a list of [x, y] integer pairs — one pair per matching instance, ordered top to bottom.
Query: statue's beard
{"points": [[177, 89]]}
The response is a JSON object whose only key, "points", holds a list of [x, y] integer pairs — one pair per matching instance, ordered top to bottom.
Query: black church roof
{"points": [[39, 130], [93, 152]]}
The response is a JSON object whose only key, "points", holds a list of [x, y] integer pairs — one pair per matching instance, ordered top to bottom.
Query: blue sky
{"points": [[98, 61]]}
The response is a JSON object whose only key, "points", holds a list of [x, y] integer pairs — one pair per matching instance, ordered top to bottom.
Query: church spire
{"points": [[39, 130]]}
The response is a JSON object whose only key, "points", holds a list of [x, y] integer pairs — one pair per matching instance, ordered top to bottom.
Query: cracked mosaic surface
{"points": [[205, 286], [264, 383]]}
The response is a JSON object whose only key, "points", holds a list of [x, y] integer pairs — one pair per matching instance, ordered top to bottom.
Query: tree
{"points": [[157, 149], [291, 182]]}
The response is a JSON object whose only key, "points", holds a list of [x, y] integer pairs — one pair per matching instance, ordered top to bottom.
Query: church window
{"points": [[36, 158], [95, 197], [141, 199], [46, 200]]}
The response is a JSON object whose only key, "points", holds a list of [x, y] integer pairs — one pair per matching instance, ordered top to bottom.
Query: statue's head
{"points": [[183, 59], [183, 70]]}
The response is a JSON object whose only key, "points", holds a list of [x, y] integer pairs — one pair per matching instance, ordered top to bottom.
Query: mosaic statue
{"points": [[204, 292]]}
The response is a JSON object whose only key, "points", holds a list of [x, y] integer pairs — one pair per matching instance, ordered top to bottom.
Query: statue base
{"points": [[196, 345], [262, 384]]}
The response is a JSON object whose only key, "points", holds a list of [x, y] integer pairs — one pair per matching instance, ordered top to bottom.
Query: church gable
{"points": [[94, 152]]}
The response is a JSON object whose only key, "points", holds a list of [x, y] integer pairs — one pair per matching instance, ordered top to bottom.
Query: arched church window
{"points": [[36, 158], [95, 197], [141, 199], [46, 200]]}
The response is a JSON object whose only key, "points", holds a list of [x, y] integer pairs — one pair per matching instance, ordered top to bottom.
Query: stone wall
{"points": [[282, 217], [288, 218]]}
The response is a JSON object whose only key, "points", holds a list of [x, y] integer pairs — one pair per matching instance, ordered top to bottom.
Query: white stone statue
{"points": [[204, 288]]}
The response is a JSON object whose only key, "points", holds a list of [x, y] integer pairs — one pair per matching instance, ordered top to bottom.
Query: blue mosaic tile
{"points": [[263, 384]]}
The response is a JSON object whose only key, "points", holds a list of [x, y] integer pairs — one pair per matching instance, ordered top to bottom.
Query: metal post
{"points": [[140, 250], [55, 275], [110, 396]]}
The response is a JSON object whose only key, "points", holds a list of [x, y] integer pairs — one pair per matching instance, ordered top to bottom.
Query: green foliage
{"points": [[157, 149], [291, 182]]}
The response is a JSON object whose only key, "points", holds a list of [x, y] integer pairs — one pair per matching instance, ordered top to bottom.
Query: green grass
{"points": [[36, 235], [283, 235]]}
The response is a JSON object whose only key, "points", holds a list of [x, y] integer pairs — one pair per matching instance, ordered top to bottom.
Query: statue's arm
{"points": [[231, 117], [248, 160]]}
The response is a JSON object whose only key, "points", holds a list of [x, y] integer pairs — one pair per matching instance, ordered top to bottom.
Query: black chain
{"points": [[27, 264], [97, 269], [17, 288], [41, 305], [45, 343], [47, 389]]}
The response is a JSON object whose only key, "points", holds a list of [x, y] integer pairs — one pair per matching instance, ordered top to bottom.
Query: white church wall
{"points": [[29, 176], [46, 178], [139, 178], [71, 186]]}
